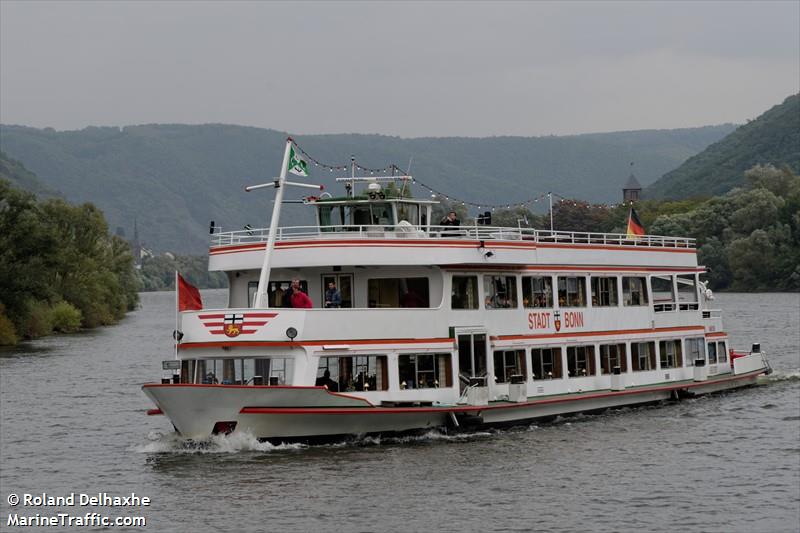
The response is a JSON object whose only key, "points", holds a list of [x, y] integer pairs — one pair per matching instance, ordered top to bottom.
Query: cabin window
{"points": [[408, 212], [370, 214], [331, 215], [537, 291], [571, 291], [634, 291], [278, 292], [398, 292], [500, 292], [604, 292], [687, 292], [663, 293], [464, 294], [694, 350], [722, 352], [712, 353], [471, 355], [613, 355], [643, 356], [671, 356], [580, 361], [508, 363], [546, 363], [425, 370], [242, 371], [354, 373]]}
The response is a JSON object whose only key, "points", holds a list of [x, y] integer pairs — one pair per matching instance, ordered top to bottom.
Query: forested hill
{"points": [[773, 138], [15, 173], [173, 179]]}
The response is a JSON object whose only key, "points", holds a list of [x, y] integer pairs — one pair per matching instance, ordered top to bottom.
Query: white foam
{"points": [[234, 443]]}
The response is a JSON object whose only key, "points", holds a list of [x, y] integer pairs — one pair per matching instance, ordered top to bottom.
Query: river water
{"points": [[73, 422]]}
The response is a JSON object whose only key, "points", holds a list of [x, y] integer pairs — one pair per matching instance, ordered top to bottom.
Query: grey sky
{"points": [[409, 69]]}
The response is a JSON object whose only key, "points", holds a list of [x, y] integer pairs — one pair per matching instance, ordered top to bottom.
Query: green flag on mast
{"points": [[297, 165]]}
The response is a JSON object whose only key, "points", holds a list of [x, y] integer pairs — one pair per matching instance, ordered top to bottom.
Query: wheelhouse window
{"points": [[408, 212], [370, 214], [331, 215], [634, 290], [500, 291], [537, 291], [571, 291], [278, 292], [398, 292], [464, 292], [604, 292], [687, 292], [663, 293], [695, 350], [722, 352], [712, 353], [670, 354], [613, 355], [643, 356], [580, 361], [508, 363], [546, 363], [425, 370], [354, 373]]}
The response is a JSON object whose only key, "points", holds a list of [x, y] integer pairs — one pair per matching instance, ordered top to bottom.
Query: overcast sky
{"points": [[407, 68]]}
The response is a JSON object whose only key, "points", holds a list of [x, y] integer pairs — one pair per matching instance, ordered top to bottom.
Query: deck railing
{"points": [[473, 233]]}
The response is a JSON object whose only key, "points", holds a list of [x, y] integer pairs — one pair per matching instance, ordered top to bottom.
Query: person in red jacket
{"points": [[300, 300]]}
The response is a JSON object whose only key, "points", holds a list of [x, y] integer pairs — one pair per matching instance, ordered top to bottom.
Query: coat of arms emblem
{"points": [[557, 320], [233, 324]]}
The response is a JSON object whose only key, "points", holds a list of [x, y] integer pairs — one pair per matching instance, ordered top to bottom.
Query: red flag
{"points": [[635, 227], [188, 296]]}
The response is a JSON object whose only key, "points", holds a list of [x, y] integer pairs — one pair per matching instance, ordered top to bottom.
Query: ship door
{"points": [[344, 282], [472, 354]]}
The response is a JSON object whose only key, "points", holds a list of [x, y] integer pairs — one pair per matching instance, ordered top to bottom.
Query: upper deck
{"points": [[407, 244]]}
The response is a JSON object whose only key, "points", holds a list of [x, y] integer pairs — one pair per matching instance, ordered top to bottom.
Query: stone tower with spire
{"points": [[632, 189]]}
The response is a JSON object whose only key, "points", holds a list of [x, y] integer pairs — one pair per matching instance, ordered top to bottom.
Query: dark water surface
{"points": [[73, 421]]}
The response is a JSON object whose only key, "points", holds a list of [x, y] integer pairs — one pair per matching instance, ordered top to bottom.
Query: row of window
{"points": [[500, 292], [433, 370]]}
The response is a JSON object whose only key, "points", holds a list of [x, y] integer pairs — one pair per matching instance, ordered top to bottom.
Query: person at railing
{"points": [[450, 220], [333, 298], [300, 300]]}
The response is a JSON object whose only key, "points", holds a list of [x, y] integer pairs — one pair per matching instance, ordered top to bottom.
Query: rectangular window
{"points": [[408, 212], [500, 291], [537, 291], [571, 291], [634, 291], [278, 292], [398, 292], [604, 292], [687, 292], [464, 293], [663, 293], [694, 350], [722, 352], [712, 353], [612, 355], [643, 356], [671, 356], [580, 361], [508, 363], [546, 363], [425, 370], [243, 371], [353, 373]]}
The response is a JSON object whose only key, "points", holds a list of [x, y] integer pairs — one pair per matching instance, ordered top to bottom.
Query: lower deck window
{"points": [[398, 292], [694, 350], [722, 352], [712, 353], [613, 355], [643, 356], [671, 356], [580, 361], [508, 363], [546, 363], [425, 370], [249, 371], [353, 373]]}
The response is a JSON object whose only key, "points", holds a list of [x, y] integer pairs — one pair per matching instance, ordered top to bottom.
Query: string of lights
{"points": [[392, 168]]}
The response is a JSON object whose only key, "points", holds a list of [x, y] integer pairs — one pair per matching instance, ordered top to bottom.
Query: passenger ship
{"points": [[439, 326]]}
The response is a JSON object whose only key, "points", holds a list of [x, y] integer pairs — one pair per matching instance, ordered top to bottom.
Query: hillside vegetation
{"points": [[773, 138], [173, 179]]}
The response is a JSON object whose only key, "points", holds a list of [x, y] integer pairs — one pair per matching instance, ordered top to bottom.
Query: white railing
{"points": [[473, 233]]}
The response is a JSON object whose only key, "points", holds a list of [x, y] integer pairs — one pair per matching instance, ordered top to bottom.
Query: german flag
{"points": [[635, 227]]}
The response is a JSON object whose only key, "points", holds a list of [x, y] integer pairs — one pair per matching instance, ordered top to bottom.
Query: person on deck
{"points": [[450, 220], [333, 298], [300, 300], [327, 382]]}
